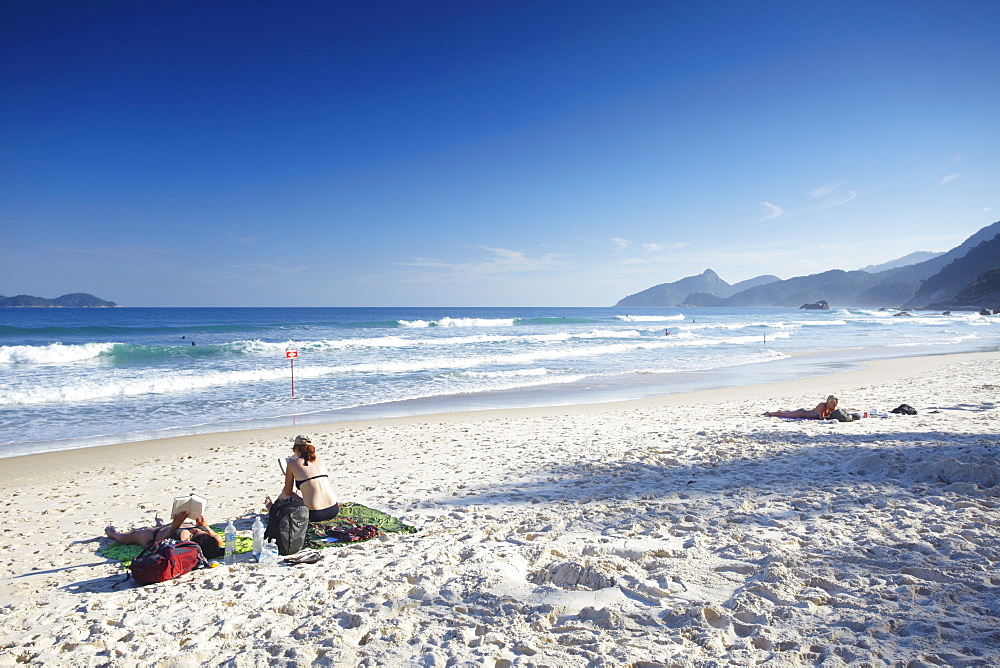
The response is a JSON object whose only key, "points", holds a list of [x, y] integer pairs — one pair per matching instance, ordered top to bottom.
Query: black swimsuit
{"points": [[298, 483], [325, 513]]}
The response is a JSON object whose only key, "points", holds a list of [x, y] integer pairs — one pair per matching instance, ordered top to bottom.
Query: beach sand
{"points": [[683, 530]]}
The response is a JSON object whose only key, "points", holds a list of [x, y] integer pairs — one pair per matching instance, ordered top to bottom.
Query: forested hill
{"points": [[73, 300]]}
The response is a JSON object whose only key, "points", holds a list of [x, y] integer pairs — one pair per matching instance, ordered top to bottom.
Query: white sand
{"points": [[687, 530]]}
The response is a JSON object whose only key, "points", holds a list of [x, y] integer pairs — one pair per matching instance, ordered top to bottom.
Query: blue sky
{"points": [[478, 153]]}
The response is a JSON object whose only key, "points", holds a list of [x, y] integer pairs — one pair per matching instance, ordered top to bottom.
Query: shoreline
{"points": [[789, 368], [147, 401], [58, 460]]}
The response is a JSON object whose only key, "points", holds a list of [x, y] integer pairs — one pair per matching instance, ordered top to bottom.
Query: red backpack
{"points": [[166, 560]]}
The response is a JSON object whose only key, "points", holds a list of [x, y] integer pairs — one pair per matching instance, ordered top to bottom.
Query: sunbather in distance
{"points": [[821, 412], [180, 528]]}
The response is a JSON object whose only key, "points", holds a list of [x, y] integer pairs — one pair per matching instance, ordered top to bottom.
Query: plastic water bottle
{"points": [[258, 537], [230, 542], [269, 554]]}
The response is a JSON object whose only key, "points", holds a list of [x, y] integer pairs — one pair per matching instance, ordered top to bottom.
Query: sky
{"points": [[482, 152]]}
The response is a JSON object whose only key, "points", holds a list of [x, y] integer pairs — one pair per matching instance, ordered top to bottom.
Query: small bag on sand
{"points": [[904, 409], [841, 416], [288, 524], [353, 534]]}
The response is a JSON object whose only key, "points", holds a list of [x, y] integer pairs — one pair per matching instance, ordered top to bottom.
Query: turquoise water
{"points": [[80, 377]]}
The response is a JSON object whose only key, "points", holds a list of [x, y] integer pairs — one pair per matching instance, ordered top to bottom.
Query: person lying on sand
{"points": [[821, 412], [307, 472], [180, 528]]}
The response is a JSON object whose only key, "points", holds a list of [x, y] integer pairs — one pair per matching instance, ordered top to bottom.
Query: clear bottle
{"points": [[230, 536], [258, 537], [269, 554]]}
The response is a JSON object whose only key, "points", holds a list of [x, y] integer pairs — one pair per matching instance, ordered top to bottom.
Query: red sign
{"points": [[291, 353]]}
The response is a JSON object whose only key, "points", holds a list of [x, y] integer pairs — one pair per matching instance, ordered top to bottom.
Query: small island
{"points": [[72, 300]]}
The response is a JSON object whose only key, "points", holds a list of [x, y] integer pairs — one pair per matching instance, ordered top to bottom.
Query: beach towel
{"points": [[352, 516]]}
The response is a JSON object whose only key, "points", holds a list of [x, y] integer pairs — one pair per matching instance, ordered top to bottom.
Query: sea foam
{"points": [[53, 353]]}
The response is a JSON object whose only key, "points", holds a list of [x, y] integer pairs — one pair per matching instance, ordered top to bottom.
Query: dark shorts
{"points": [[325, 514]]}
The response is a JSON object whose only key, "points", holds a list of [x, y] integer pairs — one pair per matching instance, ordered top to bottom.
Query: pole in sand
{"points": [[291, 355]]}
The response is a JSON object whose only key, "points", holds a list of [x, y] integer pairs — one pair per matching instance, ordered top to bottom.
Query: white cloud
{"points": [[947, 178], [824, 189], [843, 200], [989, 208], [775, 212], [621, 243], [664, 258], [504, 260], [279, 267]]}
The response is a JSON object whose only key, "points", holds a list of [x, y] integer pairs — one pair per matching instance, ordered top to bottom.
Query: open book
{"points": [[193, 504]]}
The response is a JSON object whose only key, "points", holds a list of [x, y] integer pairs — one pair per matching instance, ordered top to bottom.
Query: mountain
{"points": [[905, 261], [923, 270], [957, 276], [931, 281], [752, 283], [837, 287], [896, 287], [982, 292], [672, 294], [711, 299], [72, 300]]}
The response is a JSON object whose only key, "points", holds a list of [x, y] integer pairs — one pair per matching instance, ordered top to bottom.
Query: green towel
{"points": [[354, 514], [121, 553]]}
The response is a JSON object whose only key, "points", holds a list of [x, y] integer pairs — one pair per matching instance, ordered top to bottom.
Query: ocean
{"points": [[72, 378]]}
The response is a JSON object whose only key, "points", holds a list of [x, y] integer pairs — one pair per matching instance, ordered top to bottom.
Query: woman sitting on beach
{"points": [[821, 412], [307, 472], [180, 528]]}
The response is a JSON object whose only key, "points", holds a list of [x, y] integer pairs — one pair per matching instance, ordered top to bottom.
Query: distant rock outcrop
{"points": [[72, 300], [817, 306]]}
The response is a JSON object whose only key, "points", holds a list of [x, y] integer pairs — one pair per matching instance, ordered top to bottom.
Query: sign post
{"points": [[291, 355]]}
